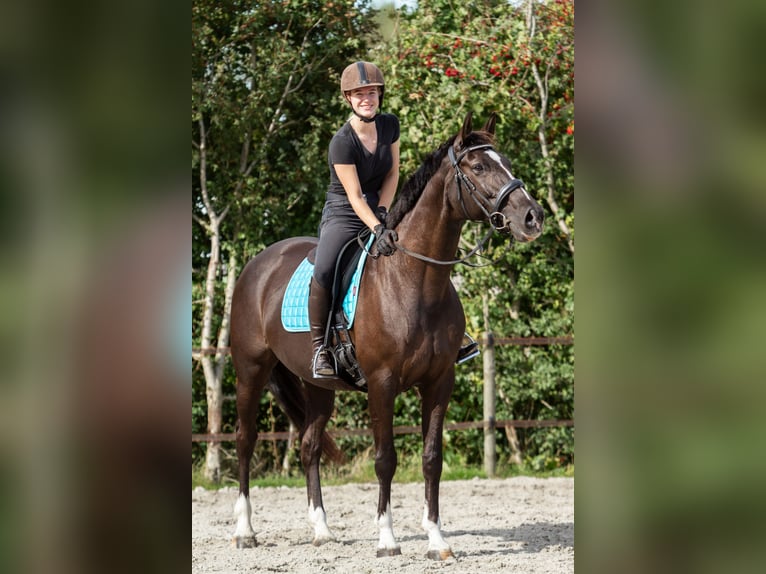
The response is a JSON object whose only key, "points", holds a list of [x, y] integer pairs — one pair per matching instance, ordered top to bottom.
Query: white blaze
{"points": [[495, 156]]}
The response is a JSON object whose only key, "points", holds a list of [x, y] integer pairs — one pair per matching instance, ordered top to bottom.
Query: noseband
{"points": [[495, 217]]}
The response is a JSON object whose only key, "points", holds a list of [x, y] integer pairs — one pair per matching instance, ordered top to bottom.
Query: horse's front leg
{"points": [[381, 401], [319, 406], [434, 408]]}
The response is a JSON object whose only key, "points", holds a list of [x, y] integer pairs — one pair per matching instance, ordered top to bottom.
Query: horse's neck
{"points": [[429, 230]]}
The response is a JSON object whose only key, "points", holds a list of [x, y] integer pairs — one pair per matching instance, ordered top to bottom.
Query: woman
{"points": [[364, 174]]}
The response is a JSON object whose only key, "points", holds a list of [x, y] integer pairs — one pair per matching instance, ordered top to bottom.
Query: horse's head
{"points": [[486, 188]]}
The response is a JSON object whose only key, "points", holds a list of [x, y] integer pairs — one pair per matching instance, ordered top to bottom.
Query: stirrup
{"points": [[467, 351], [328, 372]]}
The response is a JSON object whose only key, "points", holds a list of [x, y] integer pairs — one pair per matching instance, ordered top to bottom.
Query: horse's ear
{"points": [[489, 127], [467, 128]]}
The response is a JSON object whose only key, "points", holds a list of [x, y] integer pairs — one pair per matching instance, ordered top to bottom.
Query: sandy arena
{"points": [[510, 525]]}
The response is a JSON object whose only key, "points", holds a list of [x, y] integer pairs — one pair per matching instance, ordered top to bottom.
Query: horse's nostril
{"points": [[534, 218]]}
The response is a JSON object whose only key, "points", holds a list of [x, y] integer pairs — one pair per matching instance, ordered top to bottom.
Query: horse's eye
{"points": [[477, 167]]}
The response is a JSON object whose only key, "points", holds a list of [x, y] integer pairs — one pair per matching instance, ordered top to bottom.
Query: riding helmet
{"points": [[361, 75]]}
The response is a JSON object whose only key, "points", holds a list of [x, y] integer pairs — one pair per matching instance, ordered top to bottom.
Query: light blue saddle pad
{"points": [[295, 315]]}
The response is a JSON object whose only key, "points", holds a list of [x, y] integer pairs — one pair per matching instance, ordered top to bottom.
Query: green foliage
{"points": [[441, 60]]}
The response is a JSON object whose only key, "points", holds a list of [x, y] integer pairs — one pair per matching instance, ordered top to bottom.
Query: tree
{"points": [[549, 49], [264, 100]]}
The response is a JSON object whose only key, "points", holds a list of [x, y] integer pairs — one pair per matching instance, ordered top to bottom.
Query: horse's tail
{"points": [[288, 390]]}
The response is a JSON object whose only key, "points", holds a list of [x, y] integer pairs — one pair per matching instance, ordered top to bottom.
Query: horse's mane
{"points": [[413, 188]]}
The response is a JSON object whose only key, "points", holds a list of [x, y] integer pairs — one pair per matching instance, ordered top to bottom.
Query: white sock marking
{"points": [[242, 513], [318, 519], [386, 524], [435, 539]]}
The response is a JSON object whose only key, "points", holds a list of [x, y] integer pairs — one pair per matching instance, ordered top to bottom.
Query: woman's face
{"points": [[365, 101]]}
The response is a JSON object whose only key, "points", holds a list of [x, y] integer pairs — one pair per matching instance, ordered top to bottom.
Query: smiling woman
{"points": [[364, 174]]}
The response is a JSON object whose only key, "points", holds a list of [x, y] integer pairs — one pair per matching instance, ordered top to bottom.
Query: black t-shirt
{"points": [[346, 149]]}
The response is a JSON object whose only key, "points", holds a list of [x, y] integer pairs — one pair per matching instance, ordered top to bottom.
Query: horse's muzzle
{"points": [[524, 229]]}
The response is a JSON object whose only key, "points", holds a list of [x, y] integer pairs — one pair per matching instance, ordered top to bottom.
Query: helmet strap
{"points": [[362, 118]]}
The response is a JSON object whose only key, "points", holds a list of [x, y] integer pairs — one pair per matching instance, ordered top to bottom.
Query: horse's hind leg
{"points": [[252, 377], [319, 406]]}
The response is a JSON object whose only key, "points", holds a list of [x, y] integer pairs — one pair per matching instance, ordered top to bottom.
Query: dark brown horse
{"points": [[408, 329]]}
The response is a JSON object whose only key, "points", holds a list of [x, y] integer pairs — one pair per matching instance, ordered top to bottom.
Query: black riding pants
{"points": [[340, 224]]}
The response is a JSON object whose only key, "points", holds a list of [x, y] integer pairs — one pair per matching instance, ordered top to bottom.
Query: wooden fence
{"points": [[489, 424], [335, 433]]}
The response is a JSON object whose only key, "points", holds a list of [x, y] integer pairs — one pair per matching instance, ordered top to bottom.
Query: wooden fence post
{"points": [[489, 404]]}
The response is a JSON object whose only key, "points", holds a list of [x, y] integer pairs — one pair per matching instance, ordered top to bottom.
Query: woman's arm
{"points": [[349, 178], [391, 181]]}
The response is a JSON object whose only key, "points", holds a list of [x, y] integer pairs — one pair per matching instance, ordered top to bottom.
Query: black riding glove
{"points": [[381, 212], [386, 239]]}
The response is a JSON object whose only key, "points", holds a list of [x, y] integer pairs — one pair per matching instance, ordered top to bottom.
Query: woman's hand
{"points": [[386, 240]]}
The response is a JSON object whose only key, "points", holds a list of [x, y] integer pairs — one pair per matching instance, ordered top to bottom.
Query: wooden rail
{"points": [[285, 435]]}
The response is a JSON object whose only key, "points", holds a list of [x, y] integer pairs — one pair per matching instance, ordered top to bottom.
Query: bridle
{"points": [[495, 217], [497, 220]]}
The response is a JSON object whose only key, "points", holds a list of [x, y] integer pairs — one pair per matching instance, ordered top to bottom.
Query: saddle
{"points": [[344, 294]]}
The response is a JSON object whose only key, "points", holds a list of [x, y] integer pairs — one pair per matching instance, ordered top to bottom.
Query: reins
{"points": [[495, 218], [464, 260]]}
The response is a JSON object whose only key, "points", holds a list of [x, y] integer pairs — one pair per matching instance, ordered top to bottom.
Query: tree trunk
{"points": [[542, 88], [213, 365], [213, 389], [489, 395], [513, 442], [288, 450]]}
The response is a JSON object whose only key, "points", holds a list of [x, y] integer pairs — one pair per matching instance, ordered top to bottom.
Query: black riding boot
{"points": [[319, 310]]}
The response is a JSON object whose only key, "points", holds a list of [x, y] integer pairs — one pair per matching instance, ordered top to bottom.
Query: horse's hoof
{"points": [[319, 540], [245, 542], [384, 552], [440, 554]]}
